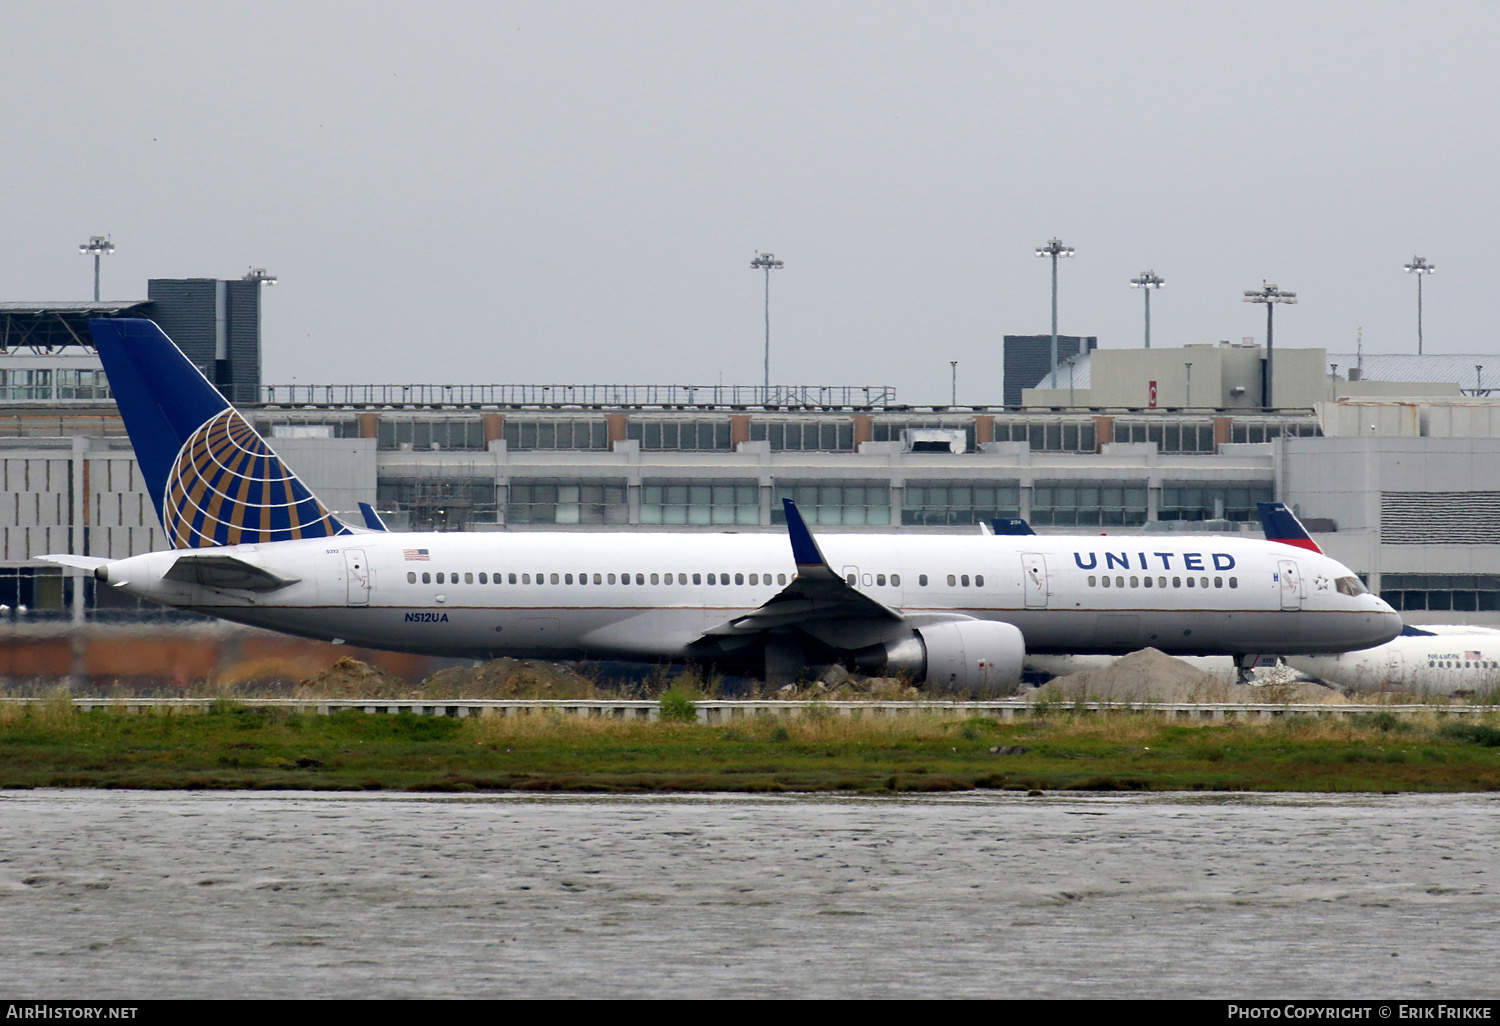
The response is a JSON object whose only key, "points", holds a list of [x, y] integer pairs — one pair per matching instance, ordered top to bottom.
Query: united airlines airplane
{"points": [[250, 543]]}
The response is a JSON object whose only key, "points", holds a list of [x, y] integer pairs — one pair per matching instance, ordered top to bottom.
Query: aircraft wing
{"points": [[222, 571], [816, 593]]}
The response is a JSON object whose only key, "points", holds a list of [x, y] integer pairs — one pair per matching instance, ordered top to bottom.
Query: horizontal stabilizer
{"points": [[1011, 525], [1282, 525], [68, 559], [220, 571], [1408, 631]]}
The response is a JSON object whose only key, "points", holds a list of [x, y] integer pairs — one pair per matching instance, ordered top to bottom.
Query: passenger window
{"points": [[411, 577], [440, 577], [426, 578], [468, 578], [484, 578], [512, 578], [525, 578], [567, 578], [598, 578], [611, 578], [624, 578], [640, 578], [655, 578], [682, 578], [697, 578], [713, 578], [739, 578], [781, 578], [754, 579], [848, 579], [880, 580], [896, 580], [921, 580], [964, 580], [979, 580], [555, 581], [952, 581], [1104, 581], [1146, 581], [1093, 582], [1119, 582], [1135, 582], [1161, 582], [1177, 582], [1191, 582], [1203, 582], [1218, 582]]}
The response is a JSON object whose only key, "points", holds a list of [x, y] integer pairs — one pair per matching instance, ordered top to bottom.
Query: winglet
{"points": [[372, 519], [1282, 525], [805, 550]]}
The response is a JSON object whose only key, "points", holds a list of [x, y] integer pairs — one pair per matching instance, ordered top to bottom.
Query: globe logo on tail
{"points": [[227, 487]]}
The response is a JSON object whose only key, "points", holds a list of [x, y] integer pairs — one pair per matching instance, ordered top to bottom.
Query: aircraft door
{"points": [[1290, 576], [357, 577], [1034, 579]]}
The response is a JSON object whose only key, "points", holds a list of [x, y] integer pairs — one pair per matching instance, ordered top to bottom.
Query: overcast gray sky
{"points": [[572, 192]]}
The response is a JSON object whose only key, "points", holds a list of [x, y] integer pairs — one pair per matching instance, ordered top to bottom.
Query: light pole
{"points": [[97, 246], [1054, 249], [767, 262], [1419, 266], [1147, 281], [1270, 295], [953, 366], [1189, 404]]}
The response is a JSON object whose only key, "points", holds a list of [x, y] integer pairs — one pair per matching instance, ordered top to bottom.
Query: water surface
{"points": [[173, 894]]}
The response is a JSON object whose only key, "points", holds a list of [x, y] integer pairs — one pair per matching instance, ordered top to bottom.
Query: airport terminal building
{"points": [[1396, 479]]}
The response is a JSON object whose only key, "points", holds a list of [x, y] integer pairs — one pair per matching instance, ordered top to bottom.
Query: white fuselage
{"points": [[565, 595], [1438, 664]]}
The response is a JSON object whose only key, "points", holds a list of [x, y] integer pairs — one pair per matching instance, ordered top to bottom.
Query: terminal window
{"points": [[437, 433], [559, 433], [1047, 434], [679, 435], [805, 435], [1169, 436], [1197, 500], [567, 502], [700, 502], [836, 503], [942, 503], [1088, 503], [1441, 592]]}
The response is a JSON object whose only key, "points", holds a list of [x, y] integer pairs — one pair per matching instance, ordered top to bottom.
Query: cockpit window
{"points": [[1349, 586]]}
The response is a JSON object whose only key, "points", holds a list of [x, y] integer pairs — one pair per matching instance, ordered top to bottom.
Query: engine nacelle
{"points": [[964, 655]]}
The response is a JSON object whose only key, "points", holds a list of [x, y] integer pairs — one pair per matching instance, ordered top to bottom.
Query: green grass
{"points": [[237, 748]]}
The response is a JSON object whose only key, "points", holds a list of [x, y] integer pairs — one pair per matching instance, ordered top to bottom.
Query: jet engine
{"points": [[968, 655]]}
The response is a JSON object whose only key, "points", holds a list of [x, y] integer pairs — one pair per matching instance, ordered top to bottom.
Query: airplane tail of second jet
{"points": [[212, 477], [1281, 524]]}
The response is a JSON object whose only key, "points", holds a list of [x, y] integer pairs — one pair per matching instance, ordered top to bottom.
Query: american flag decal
{"points": [[419, 555], [1471, 656]]}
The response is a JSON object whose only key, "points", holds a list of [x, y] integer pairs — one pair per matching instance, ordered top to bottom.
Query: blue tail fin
{"points": [[212, 477], [1281, 524]]}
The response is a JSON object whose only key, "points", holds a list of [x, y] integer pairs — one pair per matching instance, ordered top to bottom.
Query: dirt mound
{"points": [[1153, 676], [350, 678], [508, 678]]}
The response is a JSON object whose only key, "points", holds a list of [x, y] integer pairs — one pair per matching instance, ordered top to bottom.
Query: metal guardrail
{"points": [[835, 396], [728, 710]]}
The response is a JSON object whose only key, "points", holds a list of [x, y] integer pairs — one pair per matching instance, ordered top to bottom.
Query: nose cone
{"points": [[1388, 624]]}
